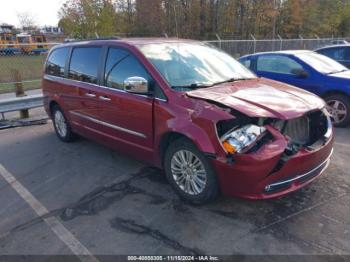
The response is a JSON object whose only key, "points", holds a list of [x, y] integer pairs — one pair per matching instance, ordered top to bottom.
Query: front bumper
{"points": [[260, 175], [298, 180]]}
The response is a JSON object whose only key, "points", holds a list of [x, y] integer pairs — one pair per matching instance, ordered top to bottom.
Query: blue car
{"points": [[340, 53], [311, 71]]}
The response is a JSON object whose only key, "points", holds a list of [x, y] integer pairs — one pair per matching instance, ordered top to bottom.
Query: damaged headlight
{"points": [[238, 140]]}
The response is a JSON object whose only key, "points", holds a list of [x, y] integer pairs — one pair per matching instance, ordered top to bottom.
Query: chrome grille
{"points": [[298, 129]]}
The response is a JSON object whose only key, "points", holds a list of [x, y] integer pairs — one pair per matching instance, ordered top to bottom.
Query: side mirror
{"points": [[300, 73], [136, 84]]}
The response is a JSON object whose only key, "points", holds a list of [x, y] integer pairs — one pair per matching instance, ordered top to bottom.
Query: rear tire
{"points": [[339, 108], [62, 127], [190, 173]]}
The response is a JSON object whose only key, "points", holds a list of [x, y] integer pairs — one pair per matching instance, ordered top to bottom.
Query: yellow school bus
{"points": [[8, 44], [32, 44]]}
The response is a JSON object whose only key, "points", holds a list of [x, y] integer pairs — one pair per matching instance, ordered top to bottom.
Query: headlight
{"points": [[242, 138]]}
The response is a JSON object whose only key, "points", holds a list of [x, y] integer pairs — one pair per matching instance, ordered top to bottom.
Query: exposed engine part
{"points": [[226, 125], [298, 130], [305, 130], [308, 131], [265, 139], [292, 148]]}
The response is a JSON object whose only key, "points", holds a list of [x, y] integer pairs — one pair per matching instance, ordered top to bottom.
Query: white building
{"points": [[6, 28], [51, 30]]}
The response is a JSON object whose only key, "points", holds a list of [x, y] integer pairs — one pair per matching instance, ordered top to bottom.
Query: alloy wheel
{"points": [[338, 111], [60, 123], [188, 172]]}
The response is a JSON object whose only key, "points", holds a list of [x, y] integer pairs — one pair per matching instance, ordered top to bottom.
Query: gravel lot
{"points": [[107, 203]]}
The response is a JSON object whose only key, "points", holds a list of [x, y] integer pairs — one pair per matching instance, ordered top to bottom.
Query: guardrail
{"points": [[26, 60], [20, 103]]}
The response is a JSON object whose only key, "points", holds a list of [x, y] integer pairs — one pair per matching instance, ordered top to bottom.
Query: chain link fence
{"points": [[238, 48], [21, 64]]}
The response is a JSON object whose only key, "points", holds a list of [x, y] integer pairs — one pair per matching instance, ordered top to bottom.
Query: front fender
{"points": [[335, 86], [197, 124], [204, 137]]}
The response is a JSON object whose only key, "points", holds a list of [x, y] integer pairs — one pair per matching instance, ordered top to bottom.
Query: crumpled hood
{"points": [[261, 98]]}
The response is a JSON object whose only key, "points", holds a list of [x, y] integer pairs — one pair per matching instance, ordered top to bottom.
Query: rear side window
{"points": [[335, 53], [56, 62], [84, 64], [277, 64], [121, 65]]}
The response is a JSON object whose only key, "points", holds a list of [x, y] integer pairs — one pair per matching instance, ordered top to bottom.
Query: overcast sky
{"points": [[43, 11]]}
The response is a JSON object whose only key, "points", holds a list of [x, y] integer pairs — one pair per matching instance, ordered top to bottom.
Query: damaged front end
{"points": [[310, 131], [244, 135], [278, 140], [271, 156]]}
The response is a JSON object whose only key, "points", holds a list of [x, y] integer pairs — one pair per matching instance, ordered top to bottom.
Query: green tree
{"points": [[88, 18], [202, 19]]}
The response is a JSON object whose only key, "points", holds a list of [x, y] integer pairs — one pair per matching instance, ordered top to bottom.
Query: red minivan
{"points": [[191, 109]]}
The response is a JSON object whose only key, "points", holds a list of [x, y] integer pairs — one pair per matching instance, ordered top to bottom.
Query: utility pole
{"points": [[274, 19], [274, 24]]}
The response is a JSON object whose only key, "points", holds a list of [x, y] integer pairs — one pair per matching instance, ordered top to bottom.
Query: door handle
{"points": [[90, 95], [105, 98]]}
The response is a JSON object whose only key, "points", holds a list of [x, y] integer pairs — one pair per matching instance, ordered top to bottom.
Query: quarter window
{"points": [[56, 62], [84, 64], [277, 64], [121, 65]]}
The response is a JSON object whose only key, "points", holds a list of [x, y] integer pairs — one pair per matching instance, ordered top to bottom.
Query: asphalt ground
{"points": [[83, 198]]}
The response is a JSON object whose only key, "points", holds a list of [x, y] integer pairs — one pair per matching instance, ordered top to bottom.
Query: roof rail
{"points": [[72, 40]]}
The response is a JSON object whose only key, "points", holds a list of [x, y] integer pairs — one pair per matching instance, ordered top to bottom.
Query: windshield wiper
{"points": [[336, 72], [231, 80], [226, 81], [196, 85], [193, 86]]}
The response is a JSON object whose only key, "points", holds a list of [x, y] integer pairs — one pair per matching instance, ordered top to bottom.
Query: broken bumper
{"points": [[261, 175]]}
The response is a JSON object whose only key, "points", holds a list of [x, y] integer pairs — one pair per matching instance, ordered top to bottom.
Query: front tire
{"points": [[339, 108], [61, 125], [189, 172]]}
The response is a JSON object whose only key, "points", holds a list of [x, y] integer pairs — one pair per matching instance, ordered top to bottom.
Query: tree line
{"points": [[204, 19]]}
